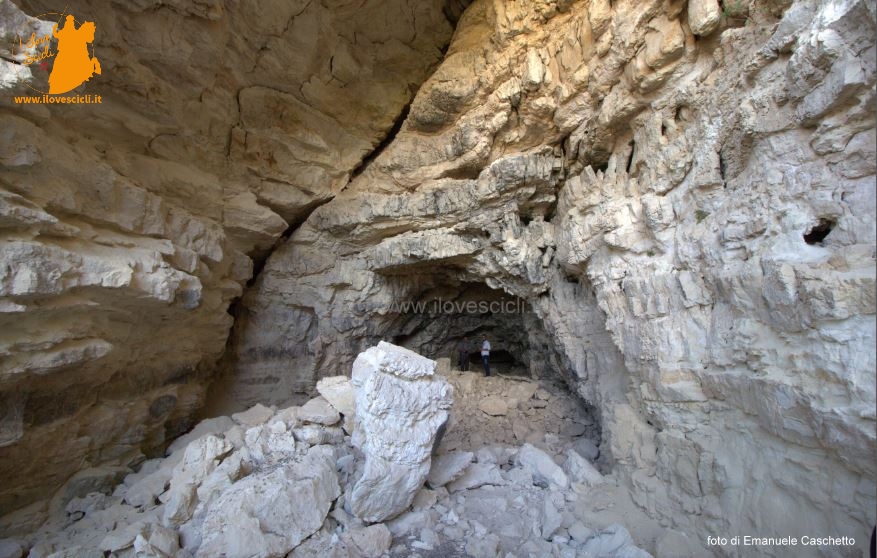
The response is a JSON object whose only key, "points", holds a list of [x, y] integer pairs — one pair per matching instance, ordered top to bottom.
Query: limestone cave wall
{"points": [[681, 193], [127, 229]]}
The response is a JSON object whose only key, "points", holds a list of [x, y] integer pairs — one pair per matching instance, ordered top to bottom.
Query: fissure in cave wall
{"points": [[649, 177], [653, 178], [127, 229]]}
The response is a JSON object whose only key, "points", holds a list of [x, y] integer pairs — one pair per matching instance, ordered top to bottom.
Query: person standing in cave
{"points": [[464, 347], [485, 355]]}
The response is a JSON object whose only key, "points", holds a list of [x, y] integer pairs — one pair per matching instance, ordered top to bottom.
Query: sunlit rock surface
{"points": [[682, 194], [670, 204], [128, 228], [400, 405]]}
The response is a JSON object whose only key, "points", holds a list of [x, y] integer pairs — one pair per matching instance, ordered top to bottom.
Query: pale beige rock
{"points": [[703, 16], [130, 226], [443, 366], [339, 393], [400, 405], [494, 406], [318, 411], [254, 416], [216, 426], [313, 434], [270, 443], [587, 449], [200, 459], [541, 466], [448, 467], [580, 470], [476, 475], [145, 491], [424, 499], [269, 513], [580, 532], [122, 537], [373, 540], [160, 542], [321, 546], [482, 547]]}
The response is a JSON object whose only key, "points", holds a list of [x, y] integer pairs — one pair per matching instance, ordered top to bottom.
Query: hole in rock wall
{"points": [[453, 9], [631, 156], [819, 231]]}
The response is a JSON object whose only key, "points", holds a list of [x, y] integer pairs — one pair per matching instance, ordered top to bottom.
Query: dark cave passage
{"points": [[433, 321]]}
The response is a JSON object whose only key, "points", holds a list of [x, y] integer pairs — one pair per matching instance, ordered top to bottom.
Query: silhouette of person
{"points": [[73, 65], [464, 347], [485, 355]]}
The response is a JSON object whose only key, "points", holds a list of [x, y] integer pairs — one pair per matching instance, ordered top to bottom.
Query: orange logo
{"points": [[68, 65]]}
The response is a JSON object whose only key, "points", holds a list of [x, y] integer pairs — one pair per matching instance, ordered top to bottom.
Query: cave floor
{"points": [[532, 483], [513, 515]]}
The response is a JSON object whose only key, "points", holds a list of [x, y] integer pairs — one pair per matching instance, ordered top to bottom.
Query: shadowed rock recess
{"points": [[666, 207], [129, 228]]}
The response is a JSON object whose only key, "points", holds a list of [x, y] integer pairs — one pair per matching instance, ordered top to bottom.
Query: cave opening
{"points": [[819, 231], [436, 308], [441, 312]]}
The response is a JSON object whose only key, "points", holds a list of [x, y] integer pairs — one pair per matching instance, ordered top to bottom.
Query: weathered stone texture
{"points": [[683, 195], [129, 227], [400, 406]]}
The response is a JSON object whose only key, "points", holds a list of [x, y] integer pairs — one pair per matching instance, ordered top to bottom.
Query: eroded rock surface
{"points": [[682, 195], [129, 227], [400, 406], [293, 503], [270, 513]]}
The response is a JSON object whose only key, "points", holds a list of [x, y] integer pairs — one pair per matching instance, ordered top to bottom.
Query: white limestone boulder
{"points": [[703, 16], [338, 391], [400, 406], [319, 411], [254, 416], [215, 426], [315, 434], [270, 443], [587, 449], [200, 459], [448, 467], [542, 467], [580, 470], [476, 475], [145, 491], [270, 512], [550, 518], [122, 537], [373, 540], [160, 542]]}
